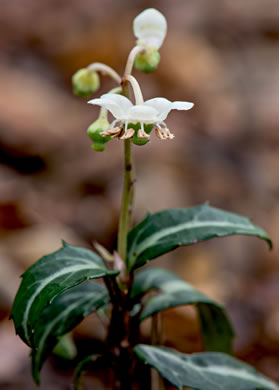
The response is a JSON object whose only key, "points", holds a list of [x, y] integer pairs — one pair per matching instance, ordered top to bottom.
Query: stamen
{"points": [[113, 123], [112, 132], [160, 132], [121, 133], [142, 133], [163, 133], [128, 134], [170, 135]]}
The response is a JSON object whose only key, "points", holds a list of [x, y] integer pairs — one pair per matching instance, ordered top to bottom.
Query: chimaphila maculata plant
{"points": [[57, 292]]}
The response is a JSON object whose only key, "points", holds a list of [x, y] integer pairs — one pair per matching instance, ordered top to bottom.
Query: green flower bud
{"points": [[148, 61], [85, 82], [94, 130], [140, 141]]}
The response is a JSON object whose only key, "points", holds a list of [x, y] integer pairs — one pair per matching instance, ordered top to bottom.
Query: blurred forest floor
{"points": [[224, 56]]}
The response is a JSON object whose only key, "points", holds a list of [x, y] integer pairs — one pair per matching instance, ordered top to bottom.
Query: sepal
{"points": [[148, 61], [94, 132]]}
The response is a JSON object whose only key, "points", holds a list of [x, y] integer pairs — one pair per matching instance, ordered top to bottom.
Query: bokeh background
{"points": [[222, 55]]}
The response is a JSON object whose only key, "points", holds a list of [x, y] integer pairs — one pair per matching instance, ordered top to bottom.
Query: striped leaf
{"points": [[164, 231], [48, 277], [65, 312], [216, 329], [66, 347], [86, 364], [203, 371]]}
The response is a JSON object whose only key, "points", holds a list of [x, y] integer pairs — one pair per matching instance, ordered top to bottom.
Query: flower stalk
{"points": [[131, 59], [105, 70], [136, 89]]}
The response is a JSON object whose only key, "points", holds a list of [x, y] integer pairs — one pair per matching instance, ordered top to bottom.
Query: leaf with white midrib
{"points": [[164, 231], [50, 276], [172, 291], [65, 312], [203, 371]]}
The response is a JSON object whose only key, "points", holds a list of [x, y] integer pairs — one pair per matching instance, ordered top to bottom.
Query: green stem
{"points": [[128, 192], [127, 201], [157, 382]]}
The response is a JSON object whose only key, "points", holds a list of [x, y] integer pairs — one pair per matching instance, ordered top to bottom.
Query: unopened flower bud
{"points": [[150, 28], [148, 61], [85, 82], [94, 131]]}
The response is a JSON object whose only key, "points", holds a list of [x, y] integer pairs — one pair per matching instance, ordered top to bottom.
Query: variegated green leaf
{"points": [[164, 231], [47, 278], [65, 312], [216, 329], [66, 347], [82, 367], [203, 371]]}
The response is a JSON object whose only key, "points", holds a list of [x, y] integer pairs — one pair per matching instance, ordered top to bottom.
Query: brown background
{"points": [[222, 55]]}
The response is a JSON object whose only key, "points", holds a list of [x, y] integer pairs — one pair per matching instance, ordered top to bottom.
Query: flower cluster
{"points": [[131, 121]]}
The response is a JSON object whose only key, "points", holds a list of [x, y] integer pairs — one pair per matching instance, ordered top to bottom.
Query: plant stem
{"points": [[128, 191], [127, 201], [120, 329], [156, 339]]}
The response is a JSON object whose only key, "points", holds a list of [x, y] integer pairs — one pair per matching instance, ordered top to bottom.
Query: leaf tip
{"points": [[266, 238], [270, 243], [64, 244], [36, 375]]}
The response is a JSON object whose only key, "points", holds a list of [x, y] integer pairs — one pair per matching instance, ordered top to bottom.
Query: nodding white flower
{"points": [[150, 27], [153, 111]]}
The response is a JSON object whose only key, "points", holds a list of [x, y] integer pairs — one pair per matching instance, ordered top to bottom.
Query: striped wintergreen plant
{"points": [[58, 291]]}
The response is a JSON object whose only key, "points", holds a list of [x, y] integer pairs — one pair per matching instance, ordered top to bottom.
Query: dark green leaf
{"points": [[164, 231], [47, 278], [62, 315], [215, 326], [217, 331], [66, 347], [83, 366], [203, 371]]}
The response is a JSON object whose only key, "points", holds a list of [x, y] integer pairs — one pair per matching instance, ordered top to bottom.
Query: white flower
{"points": [[150, 27], [153, 111]]}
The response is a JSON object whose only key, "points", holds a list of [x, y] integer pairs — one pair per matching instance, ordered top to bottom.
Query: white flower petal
{"points": [[150, 27], [120, 100], [117, 104], [161, 105], [181, 105], [174, 106], [112, 107], [153, 111], [141, 113]]}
